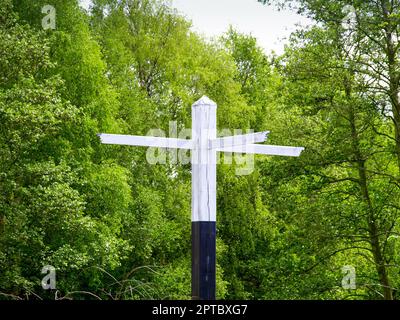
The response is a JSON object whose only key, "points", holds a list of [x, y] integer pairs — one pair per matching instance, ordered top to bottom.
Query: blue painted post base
{"points": [[203, 260]]}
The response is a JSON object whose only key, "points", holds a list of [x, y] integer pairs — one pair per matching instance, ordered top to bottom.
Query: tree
{"points": [[374, 41], [350, 163], [47, 215]]}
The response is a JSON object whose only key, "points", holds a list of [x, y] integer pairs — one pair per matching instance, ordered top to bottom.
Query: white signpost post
{"points": [[204, 146]]}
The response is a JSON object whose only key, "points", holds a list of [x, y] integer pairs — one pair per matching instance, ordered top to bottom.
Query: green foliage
{"points": [[115, 227]]}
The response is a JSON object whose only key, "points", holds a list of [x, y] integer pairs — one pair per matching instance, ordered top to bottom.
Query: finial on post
{"points": [[204, 101]]}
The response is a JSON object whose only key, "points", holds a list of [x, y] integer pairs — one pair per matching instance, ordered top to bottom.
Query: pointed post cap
{"points": [[204, 101]]}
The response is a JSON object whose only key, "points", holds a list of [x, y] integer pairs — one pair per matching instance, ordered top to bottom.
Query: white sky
{"points": [[213, 17]]}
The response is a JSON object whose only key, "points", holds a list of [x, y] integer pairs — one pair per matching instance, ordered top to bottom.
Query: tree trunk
{"points": [[396, 118], [373, 231], [373, 235]]}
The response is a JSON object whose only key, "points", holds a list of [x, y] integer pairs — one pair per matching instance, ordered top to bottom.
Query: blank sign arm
{"points": [[239, 140], [158, 142], [265, 149]]}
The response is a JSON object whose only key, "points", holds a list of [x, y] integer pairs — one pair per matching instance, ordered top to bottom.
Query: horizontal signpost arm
{"points": [[239, 140], [142, 141], [264, 149]]}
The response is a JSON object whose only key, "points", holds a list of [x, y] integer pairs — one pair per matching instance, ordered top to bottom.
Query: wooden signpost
{"points": [[204, 146]]}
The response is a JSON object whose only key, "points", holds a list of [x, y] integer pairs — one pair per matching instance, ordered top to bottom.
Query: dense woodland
{"points": [[116, 227]]}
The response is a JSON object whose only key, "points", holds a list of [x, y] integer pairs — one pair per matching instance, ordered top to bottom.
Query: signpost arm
{"points": [[238, 140], [141, 141], [264, 149]]}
